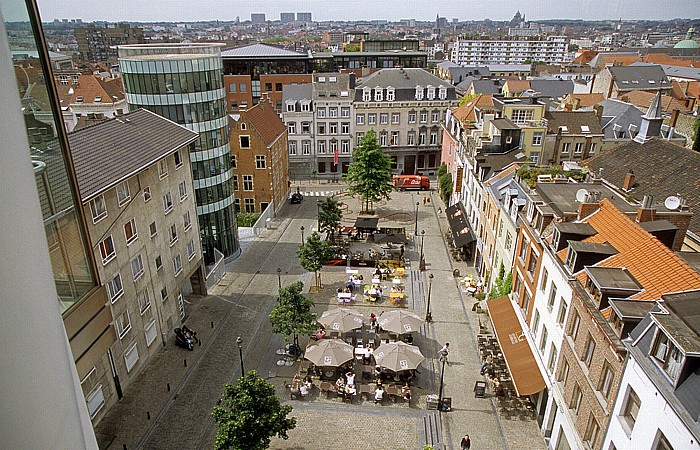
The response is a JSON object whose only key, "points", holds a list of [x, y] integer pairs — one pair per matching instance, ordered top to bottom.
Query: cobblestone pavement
{"points": [[239, 305]]}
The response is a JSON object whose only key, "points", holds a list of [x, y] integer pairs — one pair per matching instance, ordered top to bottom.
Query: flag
{"points": [[335, 156]]}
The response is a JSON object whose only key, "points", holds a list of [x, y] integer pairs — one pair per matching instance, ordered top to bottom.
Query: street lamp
{"points": [[318, 215], [415, 233], [302, 235], [422, 238], [279, 277], [428, 315], [239, 341], [442, 377]]}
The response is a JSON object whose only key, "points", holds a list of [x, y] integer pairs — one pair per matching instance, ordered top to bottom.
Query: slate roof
{"points": [[261, 51], [682, 72], [459, 73], [639, 77], [407, 78], [487, 86], [462, 87], [552, 88], [297, 92], [620, 113], [573, 120], [266, 122], [112, 151], [675, 169]]}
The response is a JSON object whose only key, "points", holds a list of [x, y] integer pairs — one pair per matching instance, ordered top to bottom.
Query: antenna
{"points": [[581, 195], [672, 203]]}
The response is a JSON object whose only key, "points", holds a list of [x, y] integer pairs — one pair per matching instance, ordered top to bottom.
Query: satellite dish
{"points": [[581, 195], [672, 203]]}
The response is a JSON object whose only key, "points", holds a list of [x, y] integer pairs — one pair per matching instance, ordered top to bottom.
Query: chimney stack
{"points": [[577, 103], [598, 112], [674, 118], [629, 181], [588, 206], [646, 212]]}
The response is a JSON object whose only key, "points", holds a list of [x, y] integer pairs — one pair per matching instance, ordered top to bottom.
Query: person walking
{"points": [[444, 352], [466, 443]]}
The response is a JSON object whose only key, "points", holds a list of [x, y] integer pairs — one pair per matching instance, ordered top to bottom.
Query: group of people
{"points": [[487, 369], [346, 385], [301, 387]]}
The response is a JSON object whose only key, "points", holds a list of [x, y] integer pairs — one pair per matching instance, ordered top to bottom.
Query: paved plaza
{"points": [[168, 407]]}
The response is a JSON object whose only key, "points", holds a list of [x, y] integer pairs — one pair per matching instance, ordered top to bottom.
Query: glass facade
{"points": [[184, 82], [65, 233]]}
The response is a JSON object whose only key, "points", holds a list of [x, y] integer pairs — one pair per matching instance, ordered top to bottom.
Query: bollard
{"points": [[212, 324], [200, 342], [185, 362], [168, 387], [148, 415], [124, 446]]}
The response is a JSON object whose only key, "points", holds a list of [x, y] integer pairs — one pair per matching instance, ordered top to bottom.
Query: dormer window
{"points": [[419, 92], [431, 93], [442, 93], [366, 94], [378, 94], [390, 94], [79, 99], [98, 99], [291, 106], [305, 106], [555, 238], [570, 259], [667, 355]]}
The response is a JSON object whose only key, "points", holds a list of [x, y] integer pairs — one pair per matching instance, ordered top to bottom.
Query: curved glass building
{"points": [[184, 83]]}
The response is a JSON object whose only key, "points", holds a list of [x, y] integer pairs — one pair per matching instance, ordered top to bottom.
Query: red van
{"points": [[402, 182]]}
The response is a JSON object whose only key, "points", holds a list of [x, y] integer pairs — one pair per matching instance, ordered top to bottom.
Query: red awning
{"points": [[521, 363]]}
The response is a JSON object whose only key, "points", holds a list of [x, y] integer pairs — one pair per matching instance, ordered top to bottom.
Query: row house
{"points": [[406, 108], [298, 115], [571, 136], [259, 158], [142, 226]]}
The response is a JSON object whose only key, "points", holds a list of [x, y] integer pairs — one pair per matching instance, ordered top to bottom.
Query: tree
{"points": [[369, 175], [444, 183], [329, 216], [314, 254], [503, 283], [292, 314], [250, 415]]}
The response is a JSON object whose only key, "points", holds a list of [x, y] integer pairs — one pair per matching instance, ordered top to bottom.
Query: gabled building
{"points": [[615, 81], [95, 98], [528, 114], [571, 136], [259, 158]]}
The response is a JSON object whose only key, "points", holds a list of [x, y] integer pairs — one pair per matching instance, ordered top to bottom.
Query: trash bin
{"points": [[455, 273], [432, 401], [446, 404]]}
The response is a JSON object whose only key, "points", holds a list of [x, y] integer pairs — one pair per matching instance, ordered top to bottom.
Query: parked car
{"points": [[296, 198]]}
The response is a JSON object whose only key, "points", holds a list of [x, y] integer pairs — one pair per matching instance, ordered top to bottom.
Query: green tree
{"points": [[696, 141], [369, 175], [444, 183], [329, 216], [314, 254], [292, 314], [250, 415]]}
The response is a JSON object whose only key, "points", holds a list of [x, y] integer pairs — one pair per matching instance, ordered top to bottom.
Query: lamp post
{"points": [[318, 215], [415, 233], [302, 235], [421, 263], [279, 277], [428, 314], [239, 341], [442, 377]]}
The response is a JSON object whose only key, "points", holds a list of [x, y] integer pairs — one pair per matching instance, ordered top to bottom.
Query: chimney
{"points": [[577, 103], [598, 112], [674, 118], [629, 181], [587, 208], [646, 212]]}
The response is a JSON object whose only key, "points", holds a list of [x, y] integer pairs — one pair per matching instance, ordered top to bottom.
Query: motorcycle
{"points": [[185, 338]]}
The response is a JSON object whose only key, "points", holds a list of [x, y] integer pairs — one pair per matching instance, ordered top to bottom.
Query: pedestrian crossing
{"points": [[319, 193]]}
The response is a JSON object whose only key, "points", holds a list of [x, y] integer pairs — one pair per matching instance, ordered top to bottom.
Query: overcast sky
{"points": [[194, 10]]}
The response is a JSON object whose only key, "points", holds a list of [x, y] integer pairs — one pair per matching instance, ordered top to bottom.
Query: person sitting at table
{"points": [[361, 278], [339, 290], [372, 320], [320, 334], [367, 357], [487, 364], [378, 372], [350, 378], [308, 381], [340, 384], [498, 388], [303, 390], [406, 390], [350, 391], [378, 394]]}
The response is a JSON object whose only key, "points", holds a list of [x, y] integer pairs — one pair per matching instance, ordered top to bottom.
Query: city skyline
{"points": [[178, 11]]}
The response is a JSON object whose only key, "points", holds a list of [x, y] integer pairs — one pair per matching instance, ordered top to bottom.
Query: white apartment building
{"points": [[550, 50], [298, 116]]}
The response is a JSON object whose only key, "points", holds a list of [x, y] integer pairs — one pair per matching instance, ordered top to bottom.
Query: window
{"points": [[232, 87], [243, 87], [268, 87], [278, 87], [419, 92], [431, 93], [442, 93], [378, 94], [390, 94], [321, 112], [333, 112], [345, 112], [521, 115], [412, 117], [424, 117], [435, 117], [383, 118], [395, 118], [360, 119], [371, 119], [292, 127], [305, 128], [321, 128], [333, 128], [345, 128], [359, 137], [382, 138], [394, 138], [421, 138], [433, 138], [537, 138], [411, 139], [244, 141], [333, 146], [292, 147], [306, 147], [321, 147], [345, 147], [565, 148], [578, 149], [591, 149], [178, 159], [234, 162], [260, 162], [162, 168], [235, 182], [247, 182], [182, 189], [146, 193], [123, 194], [167, 202], [249, 205], [98, 209], [152, 228], [130, 231], [172, 234], [509, 240], [107, 250], [190, 250], [523, 250], [159, 262], [177, 264], [137, 267], [545, 276], [114, 288], [163, 293], [552, 297], [144, 302], [561, 315], [536, 322], [123, 324], [574, 325], [151, 332], [543, 339], [588, 351], [667, 355], [131, 357], [552, 358], [564, 372], [606, 380], [576, 398], [96, 399], [592, 431], [562, 442], [662, 443]]}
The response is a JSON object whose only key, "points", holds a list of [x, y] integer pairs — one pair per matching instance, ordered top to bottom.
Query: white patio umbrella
{"points": [[341, 319], [400, 321], [329, 352], [397, 356]]}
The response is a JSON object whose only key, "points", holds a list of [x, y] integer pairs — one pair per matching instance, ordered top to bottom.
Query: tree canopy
{"points": [[369, 175], [329, 216], [314, 254], [292, 314], [250, 414]]}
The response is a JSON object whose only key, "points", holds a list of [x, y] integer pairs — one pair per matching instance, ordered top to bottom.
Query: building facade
{"points": [[96, 44], [550, 49], [184, 83], [333, 95], [298, 115]]}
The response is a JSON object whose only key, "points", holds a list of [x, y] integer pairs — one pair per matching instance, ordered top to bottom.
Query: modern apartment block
{"points": [[287, 17], [304, 17], [97, 44], [550, 50], [184, 83], [406, 108], [259, 157], [142, 229]]}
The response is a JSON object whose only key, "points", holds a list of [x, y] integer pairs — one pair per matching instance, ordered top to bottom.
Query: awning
{"points": [[366, 223], [461, 231], [521, 363]]}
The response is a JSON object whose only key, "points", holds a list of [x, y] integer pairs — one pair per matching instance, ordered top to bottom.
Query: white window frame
{"points": [[360, 119], [537, 138], [292, 147], [306, 147], [178, 159], [260, 162], [162, 168], [248, 179], [182, 189], [123, 193], [146, 194], [167, 202], [98, 208], [186, 221], [134, 231], [172, 234], [191, 252], [107, 257], [177, 264], [139, 269], [111, 293], [144, 301], [121, 326], [150, 332], [129, 359], [94, 407]]}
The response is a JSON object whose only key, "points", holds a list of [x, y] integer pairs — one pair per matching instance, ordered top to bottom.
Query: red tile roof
{"points": [[110, 90], [266, 121]]}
